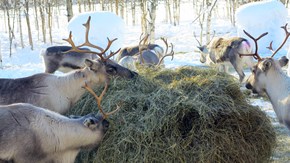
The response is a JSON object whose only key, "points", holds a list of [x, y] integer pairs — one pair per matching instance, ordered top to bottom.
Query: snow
{"points": [[252, 17], [259, 17], [103, 25]]}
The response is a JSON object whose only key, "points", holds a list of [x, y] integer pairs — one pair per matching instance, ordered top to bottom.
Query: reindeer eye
{"points": [[95, 70], [111, 70]]}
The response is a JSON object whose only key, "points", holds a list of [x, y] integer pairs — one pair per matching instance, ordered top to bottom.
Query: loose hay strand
{"points": [[184, 115]]}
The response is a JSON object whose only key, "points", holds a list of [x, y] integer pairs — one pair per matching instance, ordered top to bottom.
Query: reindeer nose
{"points": [[249, 86], [105, 124]]}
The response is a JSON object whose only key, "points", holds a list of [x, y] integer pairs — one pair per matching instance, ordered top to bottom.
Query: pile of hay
{"points": [[184, 115]]}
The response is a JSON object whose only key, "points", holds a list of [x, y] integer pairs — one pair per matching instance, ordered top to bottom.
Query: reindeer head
{"points": [[204, 50], [112, 68], [266, 69], [95, 72], [263, 72], [96, 125]]}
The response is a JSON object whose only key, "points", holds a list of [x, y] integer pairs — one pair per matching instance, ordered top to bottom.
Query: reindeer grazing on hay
{"points": [[134, 50], [221, 50], [146, 56], [64, 59], [267, 76], [57, 93], [33, 134]]}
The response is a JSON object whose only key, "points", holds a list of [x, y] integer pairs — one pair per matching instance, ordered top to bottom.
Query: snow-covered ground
{"points": [[25, 62]]}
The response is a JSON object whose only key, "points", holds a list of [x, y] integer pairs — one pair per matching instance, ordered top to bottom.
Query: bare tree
{"points": [[232, 5], [80, 6], [143, 6], [7, 7], [117, 7], [151, 7], [69, 9], [133, 9], [168, 11], [26, 12], [176, 12], [42, 16], [36, 17], [49, 20], [208, 22], [20, 26]]}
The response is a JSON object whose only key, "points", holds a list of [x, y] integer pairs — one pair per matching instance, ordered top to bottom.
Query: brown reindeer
{"points": [[222, 50], [64, 59], [268, 77], [34, 134]]}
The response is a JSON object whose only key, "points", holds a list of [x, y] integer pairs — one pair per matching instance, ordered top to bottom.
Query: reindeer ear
{"points": [[201, 48], [283, 61], [89, 63], [267, 65]]}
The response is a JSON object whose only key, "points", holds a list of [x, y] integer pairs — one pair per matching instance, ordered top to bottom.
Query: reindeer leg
{"points": [[237, 64]]}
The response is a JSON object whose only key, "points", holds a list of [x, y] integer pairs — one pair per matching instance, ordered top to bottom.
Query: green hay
{"points": [[184, 115]]}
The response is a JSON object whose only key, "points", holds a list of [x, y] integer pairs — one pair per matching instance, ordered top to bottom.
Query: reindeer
{"points": [[134, 50], [223, 51], [145, 56], [64, 59], [267, 76], [57, 93], [34, 134]]}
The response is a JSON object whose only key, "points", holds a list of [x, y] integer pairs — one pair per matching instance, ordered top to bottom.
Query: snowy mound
{"points": [[259, 17], [103, 25]]}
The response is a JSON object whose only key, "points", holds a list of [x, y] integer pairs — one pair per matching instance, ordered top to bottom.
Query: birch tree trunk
{"points": [[102, 4], [111, 5], [80, 6], [117, 7], [151, 7], [69, 9], [133, 9], [122, 10], [26, 11], [168, 12], [176, 12], [42, 16], [143, 17], [36, 18], [201, 18], [49, 21], [208, 21], [20, 27], [10, 32]]}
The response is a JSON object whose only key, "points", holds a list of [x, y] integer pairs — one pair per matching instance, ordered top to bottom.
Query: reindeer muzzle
{"points": [[249, 86]]}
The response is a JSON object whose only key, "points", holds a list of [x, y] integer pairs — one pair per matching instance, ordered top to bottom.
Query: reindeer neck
{"points": [[72, 85], [278, 90], [59, 130], [76, 138]]}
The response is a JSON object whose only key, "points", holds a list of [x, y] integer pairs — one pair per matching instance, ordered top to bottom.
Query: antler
{"points": [[196, 39], [285, 39], [89, 44], [143, 45], [165, 54], [255, 55], [99, 99]]}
